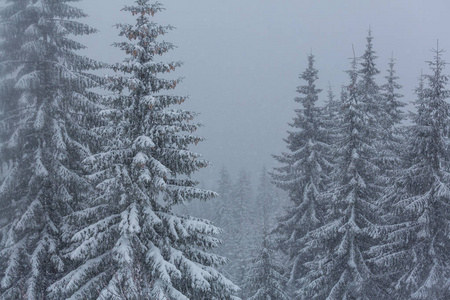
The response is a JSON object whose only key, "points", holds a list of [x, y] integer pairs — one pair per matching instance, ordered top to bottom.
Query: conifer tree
{"points": [[367, 85], [391, 97], [45, 114], [331, 116], [390, 136], [304, 175], [268, 199], [223, 213], [224, 218], [241, 229], [132, 245], [415, 250], [339, 270], [265, 278]]}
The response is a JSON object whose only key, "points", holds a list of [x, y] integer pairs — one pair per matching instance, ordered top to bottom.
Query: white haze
{"points": [[243, 57]]}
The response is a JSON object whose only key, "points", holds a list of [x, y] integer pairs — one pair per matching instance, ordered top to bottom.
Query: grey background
{"points": [[243, 57]]}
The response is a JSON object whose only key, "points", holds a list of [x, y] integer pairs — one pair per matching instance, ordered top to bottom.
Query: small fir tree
{"points": [[368, 89], [391, 98], [331, 116], [390, 140], [268, 199], [223, 216], [241, 235], [265, 276]]}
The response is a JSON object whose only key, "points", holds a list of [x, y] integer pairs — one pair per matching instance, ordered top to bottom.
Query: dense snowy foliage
{"points": [[45, 120], [304, 175], [131, 244], [415, 250], [265, 278]]}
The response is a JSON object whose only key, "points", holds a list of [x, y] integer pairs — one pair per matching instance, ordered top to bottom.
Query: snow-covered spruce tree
{"points": [[368, 88], [390, 97], [45, 113], [331, 116], [390, 136], [304, 175], [268, 199], [223, 211], [224, 214], [241, 229], [132, 245], [416, 248], [339, 270], [265, 278]]}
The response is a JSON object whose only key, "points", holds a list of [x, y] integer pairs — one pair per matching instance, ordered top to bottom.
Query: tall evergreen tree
{"points": [[45, 113], [304, 175], [132, 246], [416, 248], [339, 270]]}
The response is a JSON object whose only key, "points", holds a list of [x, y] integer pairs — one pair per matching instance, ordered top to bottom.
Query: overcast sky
{"points": [[243, 58]]}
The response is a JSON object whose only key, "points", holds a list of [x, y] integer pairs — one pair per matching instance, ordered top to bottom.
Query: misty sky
{"points": [[243, 58]]}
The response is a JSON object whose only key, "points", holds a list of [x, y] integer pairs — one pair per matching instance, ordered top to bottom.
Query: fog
{"points": [[242, 60]]}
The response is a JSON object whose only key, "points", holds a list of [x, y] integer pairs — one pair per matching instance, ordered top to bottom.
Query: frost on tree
{"points": [[45, 110], [331, 116], [390, 138], [304, 175], [269, 199], [223, 215], [240, 230], [132, 245], [415, 254], [339, 270], [265, 277]]}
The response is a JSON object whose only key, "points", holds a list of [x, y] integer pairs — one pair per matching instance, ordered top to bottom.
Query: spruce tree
{"points": [[368, 88], [390, 97], [45, 115], [331, 116], [390, 140], [304, 175], [268, 199], [223, 213], [224, 218], [241, 229], [132, 245], [415, 250], [339, 269], [265, 273], [265, 278]]}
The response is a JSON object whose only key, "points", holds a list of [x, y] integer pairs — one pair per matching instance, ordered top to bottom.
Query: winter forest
{"points": [[105, 194]]}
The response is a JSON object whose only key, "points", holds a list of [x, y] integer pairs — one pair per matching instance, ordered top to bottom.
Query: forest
{"points": [[99, 197]]}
